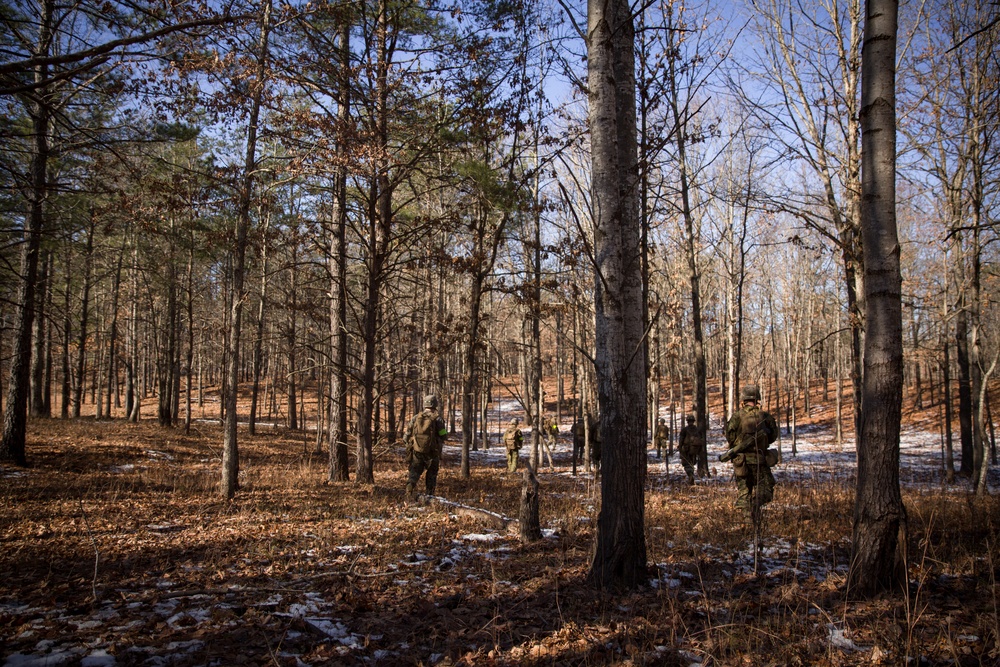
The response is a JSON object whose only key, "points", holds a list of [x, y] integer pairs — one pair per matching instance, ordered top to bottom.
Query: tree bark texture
{"points": [[15, 418], [230, 446], [339, 463], [879, 515], [530, 527], [620, 549]]}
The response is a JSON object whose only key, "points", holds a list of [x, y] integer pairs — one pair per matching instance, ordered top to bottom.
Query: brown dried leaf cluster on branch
{"points": [[117, 549]]}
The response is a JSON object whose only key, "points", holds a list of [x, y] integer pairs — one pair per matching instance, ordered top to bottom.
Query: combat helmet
{"points": [[750, 392], [430, 401], [690, 419]]}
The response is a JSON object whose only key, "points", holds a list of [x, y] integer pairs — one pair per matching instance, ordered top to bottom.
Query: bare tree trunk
{"points": [[113, 329], [66, 336], [291, 338], [258, 341], [189, 359], [964, 379], [165, 387], [133, 397], [37, 403], [15, 418], [230, 447], [338, 467], [531, 529], [879, 538], [620, 546]]}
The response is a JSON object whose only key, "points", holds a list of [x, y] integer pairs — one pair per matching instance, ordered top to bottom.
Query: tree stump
{"points": [[531, 530]]}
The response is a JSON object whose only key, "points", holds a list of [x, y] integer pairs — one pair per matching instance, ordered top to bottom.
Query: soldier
{"points": [[550, 430], [749, 432], [579, 433], [660, 438], [424, 440], [513, 440], [595, 442], [689, 444]]}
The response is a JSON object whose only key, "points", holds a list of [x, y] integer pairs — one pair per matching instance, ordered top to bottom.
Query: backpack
{"points": [[754, 428], [424, 432]]}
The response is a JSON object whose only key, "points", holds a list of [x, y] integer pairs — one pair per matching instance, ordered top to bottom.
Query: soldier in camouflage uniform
{"points": [[550, 431], [749, 432], [513, 439], [660, 439], [424, 441], [689, 444]]}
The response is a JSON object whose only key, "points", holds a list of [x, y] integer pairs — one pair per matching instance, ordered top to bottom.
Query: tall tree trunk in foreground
{"points": [[15, 418], [230, 450], [338, 470], [879, 515], [620, 548]]}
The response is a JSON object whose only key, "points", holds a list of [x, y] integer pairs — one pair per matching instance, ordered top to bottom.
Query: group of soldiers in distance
{"points": [[749, 433]]}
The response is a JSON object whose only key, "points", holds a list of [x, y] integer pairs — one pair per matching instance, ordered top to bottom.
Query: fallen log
{"points": [[498, 520]]}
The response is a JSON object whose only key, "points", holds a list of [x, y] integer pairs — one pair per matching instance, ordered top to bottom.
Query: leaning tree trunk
{"points": [[879, 516], [620, 548]]}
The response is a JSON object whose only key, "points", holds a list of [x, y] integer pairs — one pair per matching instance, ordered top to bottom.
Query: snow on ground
{"points": [[813, 454]]}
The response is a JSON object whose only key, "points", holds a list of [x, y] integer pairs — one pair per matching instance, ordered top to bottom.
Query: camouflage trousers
{"points": [[661, 447], [512, 455], [688, 462], [418, 464], [757, 484]]}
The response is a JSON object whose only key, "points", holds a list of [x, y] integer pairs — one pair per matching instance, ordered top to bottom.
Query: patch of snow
{"points": [[481, 537], [416, 558], [302, 610], [186, 619], [87, 625], [336, 631], [839, 640], [189, 646], [690, 657], [99, 658], [47, 660]]}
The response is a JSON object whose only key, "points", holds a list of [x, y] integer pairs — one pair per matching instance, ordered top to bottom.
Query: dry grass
{"points": [[116, 539]]}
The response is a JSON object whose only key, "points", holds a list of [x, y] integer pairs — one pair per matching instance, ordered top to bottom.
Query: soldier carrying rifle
{"points": [[749, 432]]}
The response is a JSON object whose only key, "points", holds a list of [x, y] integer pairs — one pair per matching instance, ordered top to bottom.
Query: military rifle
{"points": [[728, 455]]}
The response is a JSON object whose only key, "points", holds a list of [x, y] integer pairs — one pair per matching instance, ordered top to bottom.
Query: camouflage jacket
{"points": [[751, 430], [440, 432], [513, 438], [690, 440]]}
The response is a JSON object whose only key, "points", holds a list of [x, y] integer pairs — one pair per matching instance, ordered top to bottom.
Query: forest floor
{"points": [[116, 549]]}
